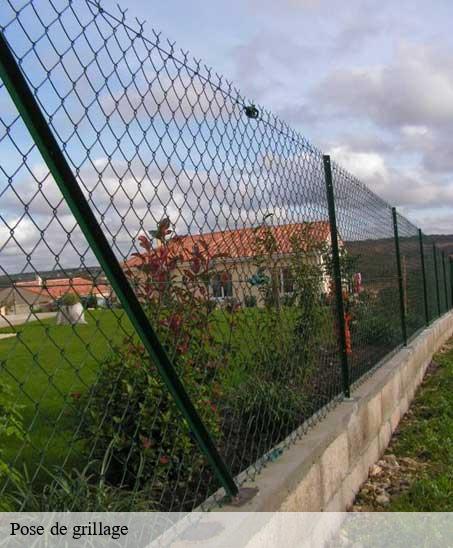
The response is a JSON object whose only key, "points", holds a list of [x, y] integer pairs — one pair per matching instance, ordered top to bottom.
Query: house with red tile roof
{"points": [[238, 255], [21, 297]]}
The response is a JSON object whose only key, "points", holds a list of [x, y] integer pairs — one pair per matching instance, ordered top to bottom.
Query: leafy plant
{"points": [[308, 271], [69, 299], [250, 301], [375, 321], [270, 369], [129, 413], [11, 428], [78, 491]]}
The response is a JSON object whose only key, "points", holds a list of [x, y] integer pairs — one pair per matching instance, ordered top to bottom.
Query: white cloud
{"points": [[412, 90], [414, 131], [364, 165]]}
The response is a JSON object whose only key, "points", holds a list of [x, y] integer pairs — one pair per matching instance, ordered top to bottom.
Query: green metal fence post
{"points": [[48, 146], [444, 270], [436, 271], [448, 271], [337, 276], [400, 277], [447, 281], [451, 282], [425, 288]]}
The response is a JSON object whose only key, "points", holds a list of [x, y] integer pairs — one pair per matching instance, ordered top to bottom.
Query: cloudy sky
{"points": [[369, 82]]}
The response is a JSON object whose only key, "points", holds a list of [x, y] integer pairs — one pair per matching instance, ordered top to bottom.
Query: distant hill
{"points": [[375, 248]]}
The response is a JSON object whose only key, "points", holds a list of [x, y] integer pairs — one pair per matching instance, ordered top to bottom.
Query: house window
{"points": [[286, 280], [222, 285]]}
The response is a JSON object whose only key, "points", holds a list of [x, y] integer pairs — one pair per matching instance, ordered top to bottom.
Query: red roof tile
{"points": [[239, 244], [58, 287]]}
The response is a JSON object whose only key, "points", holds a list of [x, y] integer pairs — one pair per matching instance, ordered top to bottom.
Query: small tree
{"points": [[70, 310], [282, 357], [130, 419]]}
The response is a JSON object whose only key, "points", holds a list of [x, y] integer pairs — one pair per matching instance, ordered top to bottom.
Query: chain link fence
{"points": [[186, 284]]}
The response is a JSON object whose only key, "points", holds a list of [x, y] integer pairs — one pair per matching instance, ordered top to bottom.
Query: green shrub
{"points": [[69, 299], [287, 300], [250, 301], [376, 318], [274, 350], [268, 407], [130, 415], [11, 429], [78, 492]]}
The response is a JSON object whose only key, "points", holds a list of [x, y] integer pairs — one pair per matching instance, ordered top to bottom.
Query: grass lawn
{"points": [[44, 364], [428, 437], [416, 472]]}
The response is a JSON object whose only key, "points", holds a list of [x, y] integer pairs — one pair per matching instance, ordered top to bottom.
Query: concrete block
{"points": [[406, 376], [410, 391], [391, 395], [404, 405], [374, 407], [395, 418], [357, 430], [385, 435], [371, 454], [334, 465], [353, 481], [308, 496], [336, 503]]}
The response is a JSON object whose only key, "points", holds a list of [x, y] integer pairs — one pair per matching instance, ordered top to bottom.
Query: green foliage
{"points": [[348, 266], [308, 275], [69, 299], [250, 301], [376, 318], [269, 372], [268, 407], [129, 414], [11, 428], [428, 437], [77, 491]]}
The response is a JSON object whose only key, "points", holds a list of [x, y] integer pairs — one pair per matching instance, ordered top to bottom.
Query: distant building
{"points": [[237, 265], [23, 297], [20, 300]]}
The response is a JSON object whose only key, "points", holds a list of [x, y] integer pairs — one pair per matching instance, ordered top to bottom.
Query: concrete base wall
{"points": [[324, 470]]}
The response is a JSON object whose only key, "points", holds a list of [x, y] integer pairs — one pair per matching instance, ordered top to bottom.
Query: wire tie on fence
{"points": [[251, 112]]}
